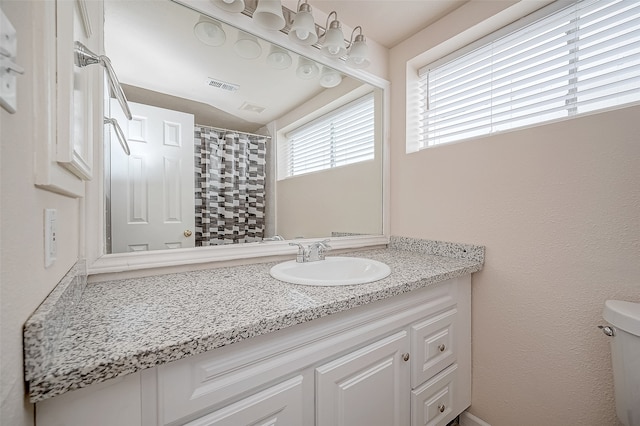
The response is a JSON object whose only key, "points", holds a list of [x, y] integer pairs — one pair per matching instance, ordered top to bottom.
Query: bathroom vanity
{"points": [[233, 346]]}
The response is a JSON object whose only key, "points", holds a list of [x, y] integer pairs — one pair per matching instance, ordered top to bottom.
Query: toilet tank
{"points": [[625, 358]]}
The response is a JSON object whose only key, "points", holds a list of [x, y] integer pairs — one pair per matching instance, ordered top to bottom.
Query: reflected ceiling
{"points": [[183, 66]]}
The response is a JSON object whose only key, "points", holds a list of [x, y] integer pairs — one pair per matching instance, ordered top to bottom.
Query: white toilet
{"points": [[624, 318]]}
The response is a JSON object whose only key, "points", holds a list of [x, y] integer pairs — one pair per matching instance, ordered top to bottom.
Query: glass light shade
{"points": [[235, 6], [269, 14], [303, 29], [209, 32], [333, 45], [247, 46], [358, 54], [279, 58], [306, 69], [330, 77]]}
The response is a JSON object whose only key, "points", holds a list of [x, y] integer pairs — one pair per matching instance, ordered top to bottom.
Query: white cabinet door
{"points": [[67, 99], [368, 387], [279, 405]]}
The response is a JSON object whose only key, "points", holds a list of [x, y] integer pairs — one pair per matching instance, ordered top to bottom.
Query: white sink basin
{"points": [[333, 271]]}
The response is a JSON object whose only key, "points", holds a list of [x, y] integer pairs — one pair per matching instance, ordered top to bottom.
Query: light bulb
{"points": [[233, 6], [303, 27], [209, 32], [333, 45], [247, 46], [358, 56], [278, 58], [306, 69], [330, 78]]}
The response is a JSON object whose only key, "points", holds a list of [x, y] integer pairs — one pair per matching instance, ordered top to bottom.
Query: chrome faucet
{"points": [[314, 252]]}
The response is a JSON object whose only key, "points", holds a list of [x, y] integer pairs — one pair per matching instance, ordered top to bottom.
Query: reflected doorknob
{"points": [[187, 233]]}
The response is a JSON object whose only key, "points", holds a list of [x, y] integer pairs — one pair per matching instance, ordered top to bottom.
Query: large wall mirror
{"points": [[214, 110]]}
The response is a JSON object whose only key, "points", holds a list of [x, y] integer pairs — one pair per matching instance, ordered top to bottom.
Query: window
{"points": [[577, 60], [343, 136]]}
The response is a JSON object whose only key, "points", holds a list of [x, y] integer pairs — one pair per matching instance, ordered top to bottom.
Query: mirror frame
{"points": [[94, 238]]}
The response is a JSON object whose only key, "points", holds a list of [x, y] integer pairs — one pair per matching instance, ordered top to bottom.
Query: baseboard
{"points": [[468, 419]]}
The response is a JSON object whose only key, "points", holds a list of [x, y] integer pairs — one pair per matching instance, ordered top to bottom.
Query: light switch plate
{"points": [[50, 237]]}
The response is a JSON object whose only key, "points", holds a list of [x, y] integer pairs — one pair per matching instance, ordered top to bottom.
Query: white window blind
{"points": [[577, 60], [343, 136]]}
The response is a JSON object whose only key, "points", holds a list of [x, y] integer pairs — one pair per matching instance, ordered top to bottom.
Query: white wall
{"points": [[558, 208], [24, 281]]}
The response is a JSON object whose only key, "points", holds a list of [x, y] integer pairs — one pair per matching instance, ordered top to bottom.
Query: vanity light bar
{"points": [[251, 5]]}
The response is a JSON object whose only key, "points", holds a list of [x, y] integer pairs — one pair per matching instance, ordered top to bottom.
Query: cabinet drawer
{"points": [[433, 345], [435, 403], [279, 405]]}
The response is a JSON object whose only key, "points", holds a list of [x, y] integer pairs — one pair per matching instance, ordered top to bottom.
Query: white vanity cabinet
{"points": [[404, 360], [370, 386]]}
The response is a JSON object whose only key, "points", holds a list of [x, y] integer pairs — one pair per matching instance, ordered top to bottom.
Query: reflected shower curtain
{"points": [[230, 186]]}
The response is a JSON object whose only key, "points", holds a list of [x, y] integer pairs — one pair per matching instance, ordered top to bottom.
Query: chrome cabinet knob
{"points": [[188, 233], [442, 347], [405, 357]]}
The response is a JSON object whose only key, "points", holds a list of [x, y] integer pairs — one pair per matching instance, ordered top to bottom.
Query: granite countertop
{"points": [[88, 333]]}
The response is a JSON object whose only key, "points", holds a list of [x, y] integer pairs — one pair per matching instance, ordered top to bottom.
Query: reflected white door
{"points": [[152, 190]]}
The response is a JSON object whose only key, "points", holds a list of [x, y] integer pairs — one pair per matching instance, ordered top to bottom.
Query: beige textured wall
{"points": [[344, 199], [558, 208], [24, 282]]}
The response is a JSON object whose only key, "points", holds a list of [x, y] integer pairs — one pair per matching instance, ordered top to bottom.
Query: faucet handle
{"points": [[325, 243], [318, 249], [300, 257]]}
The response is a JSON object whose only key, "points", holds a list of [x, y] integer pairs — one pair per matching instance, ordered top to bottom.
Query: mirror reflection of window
{"points": [[342, 137]]}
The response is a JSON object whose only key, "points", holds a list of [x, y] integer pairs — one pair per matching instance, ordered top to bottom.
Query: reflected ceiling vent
{"points": [[229, 87], [251, 107]]}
